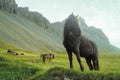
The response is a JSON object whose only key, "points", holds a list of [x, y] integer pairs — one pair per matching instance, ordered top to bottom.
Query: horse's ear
{"points": [[72, 13], [77, 16]]}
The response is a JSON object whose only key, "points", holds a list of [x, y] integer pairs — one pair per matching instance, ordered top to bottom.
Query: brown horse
{"points": [[74, 42], [88, 49], [12, 52], [47, 56]]}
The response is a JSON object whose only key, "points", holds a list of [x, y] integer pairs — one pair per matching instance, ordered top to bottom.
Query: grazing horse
{"points": [[73, 42], [88, 49], [12, 52], [47, 56], [51, 56]]}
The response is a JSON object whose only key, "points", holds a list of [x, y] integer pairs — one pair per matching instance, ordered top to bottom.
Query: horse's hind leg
{"points": [[70, 57], [43, 59], [88, 60], [95, 62], [96, 65]]}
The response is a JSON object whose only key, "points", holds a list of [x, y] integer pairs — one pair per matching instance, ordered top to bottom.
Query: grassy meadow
{"points": [[20, 33], [30, 67]]}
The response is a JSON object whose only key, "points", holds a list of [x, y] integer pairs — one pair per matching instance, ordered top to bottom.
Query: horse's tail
{"points": [[95, 52]]}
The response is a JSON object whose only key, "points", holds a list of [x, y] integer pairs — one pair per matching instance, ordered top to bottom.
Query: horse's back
{"points": [[87, 47], [95, 50]]}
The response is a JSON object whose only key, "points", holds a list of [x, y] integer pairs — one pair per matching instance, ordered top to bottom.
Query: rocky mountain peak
{"points": [[9, 5]]}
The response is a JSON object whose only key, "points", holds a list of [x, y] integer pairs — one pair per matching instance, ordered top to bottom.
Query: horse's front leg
{"points": [[77, 53], [70, 57], [43, 59], [80, 63]]}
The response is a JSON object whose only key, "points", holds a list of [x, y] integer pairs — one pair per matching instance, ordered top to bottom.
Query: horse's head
{"points": [[73, 19]]}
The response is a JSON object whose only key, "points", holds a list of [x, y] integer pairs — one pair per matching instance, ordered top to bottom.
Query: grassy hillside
{"points": [[27, 35], [5, 45], [30, 67]]}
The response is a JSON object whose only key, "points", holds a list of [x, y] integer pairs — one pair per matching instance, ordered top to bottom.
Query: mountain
{"points": [[11, 7], [25, 29], [33, 32], [23, 33], [92, 33]]}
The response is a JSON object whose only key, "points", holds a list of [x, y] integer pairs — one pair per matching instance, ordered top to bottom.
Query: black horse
{"points": [[71, 40], [74, 42]]}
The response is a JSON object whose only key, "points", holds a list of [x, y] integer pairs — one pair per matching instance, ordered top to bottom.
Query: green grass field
{"points": [[19, 33], [30, 67]]}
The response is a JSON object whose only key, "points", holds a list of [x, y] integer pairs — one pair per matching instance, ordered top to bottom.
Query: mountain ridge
{"points": [[32, 31], [92, 33], [25, 34]]}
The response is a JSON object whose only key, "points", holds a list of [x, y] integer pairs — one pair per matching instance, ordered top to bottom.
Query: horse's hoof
{"points": [[82, 69]]}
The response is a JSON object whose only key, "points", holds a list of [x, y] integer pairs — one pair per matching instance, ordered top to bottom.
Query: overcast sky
{"points": [[103, 14]]}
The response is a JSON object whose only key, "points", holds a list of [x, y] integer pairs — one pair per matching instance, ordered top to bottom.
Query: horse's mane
{"points": [[72, 19], [71, 26]]}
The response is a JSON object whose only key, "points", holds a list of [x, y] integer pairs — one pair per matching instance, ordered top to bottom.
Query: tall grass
{"points": [[13, 70]]}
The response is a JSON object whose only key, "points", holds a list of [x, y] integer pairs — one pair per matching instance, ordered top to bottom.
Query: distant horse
{"points": [[74, 42], [12, 52], [47, 56]]}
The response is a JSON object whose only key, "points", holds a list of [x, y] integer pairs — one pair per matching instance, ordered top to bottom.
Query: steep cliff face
{"points": [[9, 6], [34, 17], [93, 33]]}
